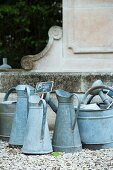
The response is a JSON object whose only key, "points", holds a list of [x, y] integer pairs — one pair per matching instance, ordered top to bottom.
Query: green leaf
{"points": [[56, 154]]}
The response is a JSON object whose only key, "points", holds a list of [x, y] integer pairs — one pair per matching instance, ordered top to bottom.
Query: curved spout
{"points": [[51, 103]]}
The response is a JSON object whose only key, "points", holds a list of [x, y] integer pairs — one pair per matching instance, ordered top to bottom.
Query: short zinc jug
{"points": [[20, 118], [66, 136], [37, 137]]}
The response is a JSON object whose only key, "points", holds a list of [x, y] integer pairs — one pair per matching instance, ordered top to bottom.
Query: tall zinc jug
{"points": [[20, 118], [66, 136], [37, 138]]}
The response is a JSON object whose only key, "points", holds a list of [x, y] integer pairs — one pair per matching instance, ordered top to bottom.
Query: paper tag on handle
{"points": [[44, 87]]}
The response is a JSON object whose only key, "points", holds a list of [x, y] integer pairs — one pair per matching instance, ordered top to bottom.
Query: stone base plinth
{"points": [[72, 82]]}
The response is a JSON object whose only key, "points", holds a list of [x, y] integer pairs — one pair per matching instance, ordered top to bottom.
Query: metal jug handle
{"points": [[102, 87], [28, 91], [8, 93], [28, 95], [76, 112], [44, 118]]}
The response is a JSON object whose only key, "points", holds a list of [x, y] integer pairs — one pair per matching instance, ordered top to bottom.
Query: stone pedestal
{"points": [[86, 44]]}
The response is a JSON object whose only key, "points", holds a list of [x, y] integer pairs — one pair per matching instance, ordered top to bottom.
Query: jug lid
{"points": [[23, 87], [63, 93]]}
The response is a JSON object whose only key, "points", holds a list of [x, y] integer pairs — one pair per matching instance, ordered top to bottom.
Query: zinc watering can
{"points": [[7, 110], [21, 113], [95, 121], [66, 136], [37, 137]]}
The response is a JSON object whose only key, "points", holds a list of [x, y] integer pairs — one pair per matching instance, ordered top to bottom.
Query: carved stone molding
{"points": [[54, 33]]}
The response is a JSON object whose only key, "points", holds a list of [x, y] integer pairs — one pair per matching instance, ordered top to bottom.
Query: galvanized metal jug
{"points": [[21, 114], [96, 124], [66, 136], [37, 137]]}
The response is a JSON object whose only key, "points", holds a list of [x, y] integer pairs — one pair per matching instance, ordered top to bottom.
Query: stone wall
{"points": [[72, 82]]}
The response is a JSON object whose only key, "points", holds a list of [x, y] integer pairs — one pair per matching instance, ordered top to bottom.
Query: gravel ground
{"points": [[13, 159]]}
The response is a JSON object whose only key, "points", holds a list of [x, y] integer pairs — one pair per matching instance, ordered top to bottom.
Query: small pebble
{"points": [[13, 159]]}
